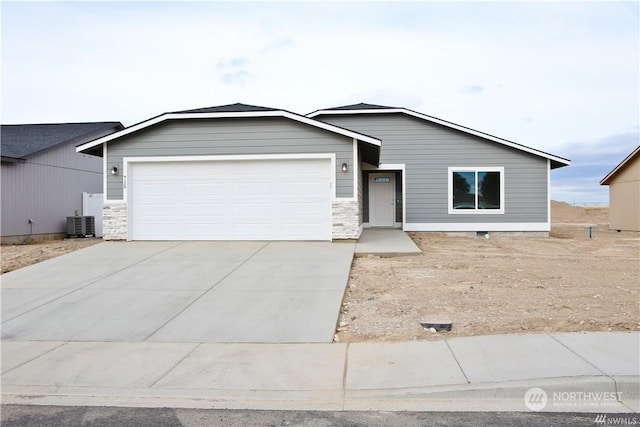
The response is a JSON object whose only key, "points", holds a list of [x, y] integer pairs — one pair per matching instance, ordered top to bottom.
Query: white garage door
{"points": [[230, 200]]}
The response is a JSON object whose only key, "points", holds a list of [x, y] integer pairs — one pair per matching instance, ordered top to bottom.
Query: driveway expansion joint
{"points": [[91, 283], [206, 291], [34, 358], [587, 361], [457, 362], [175, 365], [345, 372]]}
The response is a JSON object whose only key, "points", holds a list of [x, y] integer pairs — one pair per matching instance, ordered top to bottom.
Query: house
{"points": [[241, 172], [43, 177], [624, 193]]}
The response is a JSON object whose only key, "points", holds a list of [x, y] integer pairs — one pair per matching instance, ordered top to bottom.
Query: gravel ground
{"points": [[18, 256], [563, 283]]}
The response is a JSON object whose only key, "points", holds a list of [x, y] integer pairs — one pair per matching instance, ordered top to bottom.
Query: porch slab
{"points": [[385, 242]]}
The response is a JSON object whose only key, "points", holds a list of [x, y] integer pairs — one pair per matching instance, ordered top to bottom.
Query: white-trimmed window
{"points": [[476, 190]]}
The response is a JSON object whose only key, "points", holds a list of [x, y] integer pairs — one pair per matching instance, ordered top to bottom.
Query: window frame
{"points": [[475, 211]]}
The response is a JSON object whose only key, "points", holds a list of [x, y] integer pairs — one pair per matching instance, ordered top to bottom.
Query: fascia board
{"points": [[242, 114], [445, 123]]}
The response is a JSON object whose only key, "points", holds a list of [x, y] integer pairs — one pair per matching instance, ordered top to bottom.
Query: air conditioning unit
{"points": [[81, 226]]}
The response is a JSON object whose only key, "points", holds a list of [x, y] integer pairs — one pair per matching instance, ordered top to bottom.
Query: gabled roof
{"points": [[361, 108], [229, 111], [21, 141], [607, 179]]}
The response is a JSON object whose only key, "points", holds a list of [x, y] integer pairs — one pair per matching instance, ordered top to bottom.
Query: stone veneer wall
{"points": [[345, 220], [114, 221]]}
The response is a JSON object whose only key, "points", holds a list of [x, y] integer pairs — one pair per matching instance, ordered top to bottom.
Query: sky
{"points": [[561, 77]]}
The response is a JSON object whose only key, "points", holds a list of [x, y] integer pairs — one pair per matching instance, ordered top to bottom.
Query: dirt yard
{"points": [[18, 256], [564, 283]]}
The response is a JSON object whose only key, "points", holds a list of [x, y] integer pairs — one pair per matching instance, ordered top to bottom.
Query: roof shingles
{"points": [[362, 106], [229, 108], [22, 141]]}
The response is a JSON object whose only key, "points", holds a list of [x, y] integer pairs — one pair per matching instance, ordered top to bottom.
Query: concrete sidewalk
{"points": [[385, 242], [576, 372]]}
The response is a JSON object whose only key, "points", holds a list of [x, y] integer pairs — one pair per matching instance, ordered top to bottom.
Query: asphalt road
{"points": [[70, 416]]}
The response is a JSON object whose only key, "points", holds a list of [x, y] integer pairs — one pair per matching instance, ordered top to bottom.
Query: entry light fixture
{"points": [[345, 167], [114, 171]]}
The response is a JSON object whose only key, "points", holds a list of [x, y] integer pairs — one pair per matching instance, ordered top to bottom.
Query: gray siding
{"points": [[231, 137], [428, 150], [47, 188]]}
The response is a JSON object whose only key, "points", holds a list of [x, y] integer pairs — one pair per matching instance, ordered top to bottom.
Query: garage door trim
{"points": [[218, 158]]}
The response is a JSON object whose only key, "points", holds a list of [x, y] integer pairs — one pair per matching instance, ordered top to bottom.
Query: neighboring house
{"points": [[240, 172], [43, 177], [624, 193]]}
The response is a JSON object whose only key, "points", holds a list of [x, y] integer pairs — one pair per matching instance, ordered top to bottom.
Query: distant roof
{"points": [[230, 108], [362, 108], [21, 141], [607, 179]]}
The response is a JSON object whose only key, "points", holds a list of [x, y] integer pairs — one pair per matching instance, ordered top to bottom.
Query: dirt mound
{"points": [[563, 213]]}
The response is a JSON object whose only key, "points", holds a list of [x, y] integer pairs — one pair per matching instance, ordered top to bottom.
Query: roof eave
{"points": [[220, 115], [84, 137], [12, 159], [557, 162], [607, 179]]}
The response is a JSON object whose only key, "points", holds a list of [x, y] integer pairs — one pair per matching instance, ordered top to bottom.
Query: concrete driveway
{"points": [[261, 292]]}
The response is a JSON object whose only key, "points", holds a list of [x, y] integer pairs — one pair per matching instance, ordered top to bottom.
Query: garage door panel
{"points": [[255, 168], [206, 169], [157, 171], [156, 188], [305, 188], [204, 189], [253, 189], [231, 200], [254, 209], [303, 209], [157, 211], [207, 211], [168, 230], [201, 231], [253, 231], [295, 231]]}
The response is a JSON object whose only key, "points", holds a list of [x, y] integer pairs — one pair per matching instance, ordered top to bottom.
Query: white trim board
{"points": [[246, 114], [445, 123], [355, 170], [104, 173], [548, 191], [476, 211], [479, 226]]}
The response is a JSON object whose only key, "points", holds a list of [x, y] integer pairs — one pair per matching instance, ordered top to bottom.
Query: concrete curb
{"points": [[504, 396]]}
